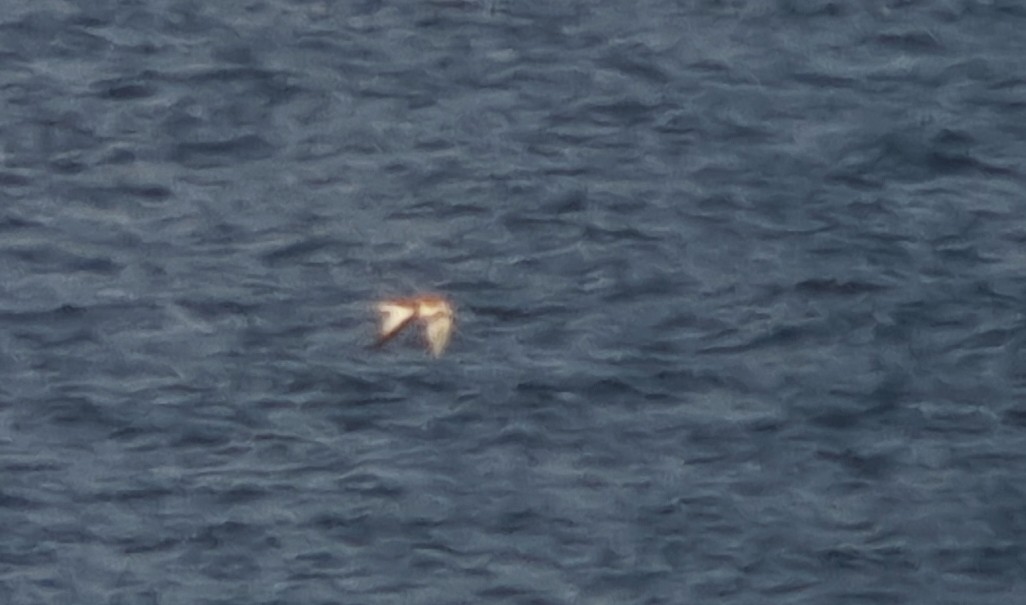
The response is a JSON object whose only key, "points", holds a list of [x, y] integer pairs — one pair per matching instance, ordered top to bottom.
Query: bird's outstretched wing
{"points": [[394, 317], [438, 330]]}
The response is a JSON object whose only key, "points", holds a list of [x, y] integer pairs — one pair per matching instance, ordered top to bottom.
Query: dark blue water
{"points": [[740, 291]]}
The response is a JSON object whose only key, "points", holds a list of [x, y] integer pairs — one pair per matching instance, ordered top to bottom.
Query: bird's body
{"points": [[433, 311]]}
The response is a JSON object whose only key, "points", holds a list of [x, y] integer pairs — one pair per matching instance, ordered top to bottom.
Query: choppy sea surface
{"points": [[740, 293]]}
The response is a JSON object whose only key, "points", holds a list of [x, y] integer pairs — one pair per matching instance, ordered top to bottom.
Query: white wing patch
{"points": [[393, 318], [438, 330]]}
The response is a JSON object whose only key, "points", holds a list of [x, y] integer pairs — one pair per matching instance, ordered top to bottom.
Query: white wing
{"points": [[393, 318], [438, 330]]}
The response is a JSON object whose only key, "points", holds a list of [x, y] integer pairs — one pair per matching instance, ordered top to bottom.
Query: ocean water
{"points": [[739, 284]]}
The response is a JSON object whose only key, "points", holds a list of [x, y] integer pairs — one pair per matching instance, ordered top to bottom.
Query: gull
{"points": [[433, 311]]}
